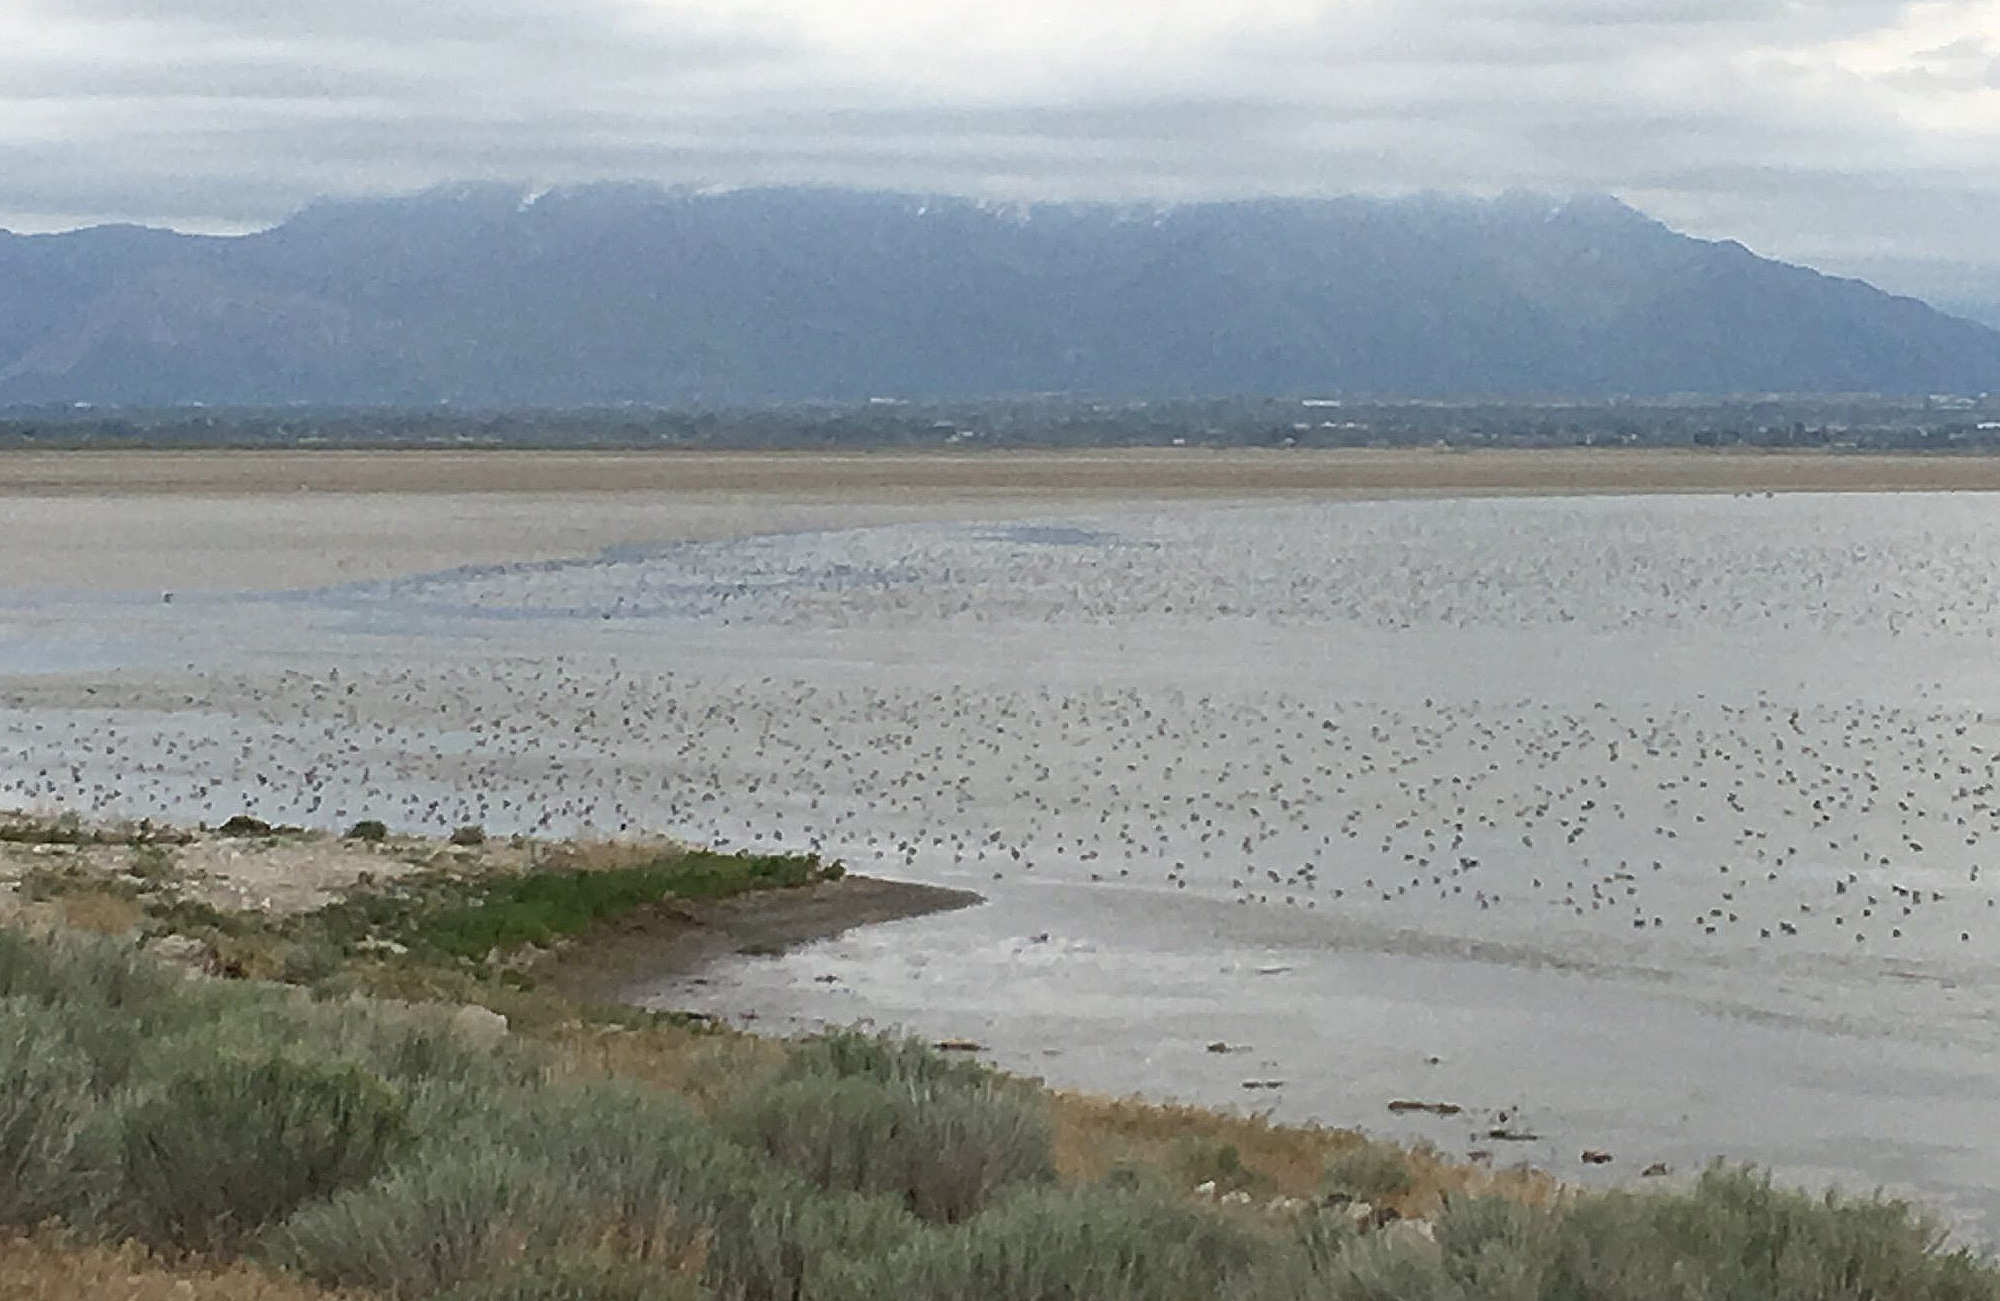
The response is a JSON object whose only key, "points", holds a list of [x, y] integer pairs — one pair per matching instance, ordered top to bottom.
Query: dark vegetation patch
{"points": [[472, 914]]}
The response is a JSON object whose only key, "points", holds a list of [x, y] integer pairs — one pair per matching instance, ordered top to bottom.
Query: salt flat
{"points": [[1658, 821]]}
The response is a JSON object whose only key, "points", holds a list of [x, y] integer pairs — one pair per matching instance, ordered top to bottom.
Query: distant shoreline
{"points": [[1097, 473], [206, 521]]}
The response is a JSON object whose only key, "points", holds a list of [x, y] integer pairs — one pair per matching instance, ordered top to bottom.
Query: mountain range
{"points": [[488, 295]]}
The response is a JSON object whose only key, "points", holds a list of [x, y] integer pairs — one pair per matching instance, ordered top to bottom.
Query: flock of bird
{"points": [[1694, 565], [1726, 818], [1764, 822]]}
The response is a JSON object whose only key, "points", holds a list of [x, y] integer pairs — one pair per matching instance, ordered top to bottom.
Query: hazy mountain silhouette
{"points": [[483, 295]]}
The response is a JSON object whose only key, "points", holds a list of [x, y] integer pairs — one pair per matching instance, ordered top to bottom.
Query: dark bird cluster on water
{"points": [[1652, 566], [1762, 822]]}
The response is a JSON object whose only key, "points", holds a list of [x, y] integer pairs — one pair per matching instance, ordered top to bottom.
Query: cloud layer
{"points": [[1849, 133]]}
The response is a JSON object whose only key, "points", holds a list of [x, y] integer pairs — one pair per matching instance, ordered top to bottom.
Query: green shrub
{"points": [[369, 830], [468, 835], [151, 862], [171, 914], [307, 963], [78, 971], [110, 1000], [424, 1047], [410, 1048], [844, 1052], [46, 1108], [887, 1113], [836, 1133], [963, 1146], [943, 1148], [219, 1152], [1197, 1160], [644, 1168], [1366, 1173], [650, 1175], [515, 1176], [452, 1216], [1321, 1236], [1732, 1238], [772, 1239], [1100, 1243], [1789, 1246], [1377, 1267], [593, 1278]]}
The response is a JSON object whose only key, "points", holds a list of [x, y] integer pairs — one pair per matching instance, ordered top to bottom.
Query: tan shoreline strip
{"points": [[1143, 473], [259, 521]]}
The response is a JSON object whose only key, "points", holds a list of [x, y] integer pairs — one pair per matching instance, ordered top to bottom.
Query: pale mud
{"points": [[278, 520], [1657, 821], [276, 875]]}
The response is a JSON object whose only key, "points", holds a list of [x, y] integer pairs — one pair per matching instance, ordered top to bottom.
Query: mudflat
{"points": [[1097, 472], [286, 519], [680, 937]]}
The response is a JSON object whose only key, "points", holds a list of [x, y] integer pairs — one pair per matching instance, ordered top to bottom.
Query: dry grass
{"points": [[102, 911], [708, 1068], [1094, 1135], [1435, 1177], [45, 1268]]}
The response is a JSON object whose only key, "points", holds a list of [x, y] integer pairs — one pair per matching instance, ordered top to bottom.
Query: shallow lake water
{"points": [[1654, 825]]}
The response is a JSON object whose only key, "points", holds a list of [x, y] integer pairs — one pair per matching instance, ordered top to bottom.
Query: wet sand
{"points": [[279, 520], [679, 939]]}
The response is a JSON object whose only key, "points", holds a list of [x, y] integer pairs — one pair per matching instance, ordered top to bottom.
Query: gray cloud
{"points": [[1845, 132]]}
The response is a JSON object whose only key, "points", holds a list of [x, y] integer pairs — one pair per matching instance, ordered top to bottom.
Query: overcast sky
{"points": [[1852, 134]]}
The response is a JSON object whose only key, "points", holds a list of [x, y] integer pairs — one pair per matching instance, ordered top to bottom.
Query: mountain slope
{"points": [[478, 294]]}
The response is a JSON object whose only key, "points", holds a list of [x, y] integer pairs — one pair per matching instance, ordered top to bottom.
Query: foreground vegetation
{"points": [[255, 1138]]}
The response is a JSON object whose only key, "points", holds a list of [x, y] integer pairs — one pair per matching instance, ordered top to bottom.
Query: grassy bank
{"points": [[482, 916], [463, 917], [309, 1137]]}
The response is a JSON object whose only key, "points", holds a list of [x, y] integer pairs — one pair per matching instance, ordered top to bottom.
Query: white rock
{"points": [[184, 951], [484, 1027]]}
